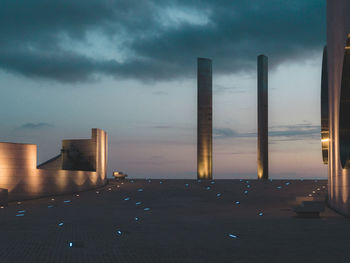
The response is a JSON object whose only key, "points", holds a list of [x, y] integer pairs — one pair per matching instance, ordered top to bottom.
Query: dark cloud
{"points": [[159, 39], [219, 89], [160, 93], [35, 126], [162, 127], [296, 132], [227, 133], [277, 133]]}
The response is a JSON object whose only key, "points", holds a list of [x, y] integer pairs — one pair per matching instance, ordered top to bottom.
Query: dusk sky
{"points": [[129, 67]]}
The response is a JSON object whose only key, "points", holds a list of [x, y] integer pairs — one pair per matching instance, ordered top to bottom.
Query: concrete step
{"points": [[310, 209]]}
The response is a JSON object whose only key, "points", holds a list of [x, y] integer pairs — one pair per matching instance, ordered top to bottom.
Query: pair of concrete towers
{"points": [[205, 119]]}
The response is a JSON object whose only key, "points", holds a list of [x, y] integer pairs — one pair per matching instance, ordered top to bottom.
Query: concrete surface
{"points": [[184, 224]]}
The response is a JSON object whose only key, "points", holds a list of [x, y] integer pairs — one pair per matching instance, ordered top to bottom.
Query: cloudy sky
{"points": [[129, 67]]}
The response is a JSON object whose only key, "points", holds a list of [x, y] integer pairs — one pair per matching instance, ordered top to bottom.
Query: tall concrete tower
{"points": [[324, 108], [204, 119], [263, 142]]}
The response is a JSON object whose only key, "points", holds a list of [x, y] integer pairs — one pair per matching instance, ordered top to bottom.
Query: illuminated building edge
{"points": [[324, 108]]}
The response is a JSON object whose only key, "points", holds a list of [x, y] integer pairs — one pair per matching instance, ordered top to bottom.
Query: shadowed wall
{"points": [[60, 175]]}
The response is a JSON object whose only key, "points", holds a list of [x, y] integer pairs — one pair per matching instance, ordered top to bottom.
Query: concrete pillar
{"points": [[324, 108], [204, 120], [263, 143]]}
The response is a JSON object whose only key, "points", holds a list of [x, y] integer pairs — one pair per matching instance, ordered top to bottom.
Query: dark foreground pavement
{"points": [[185, 222]]}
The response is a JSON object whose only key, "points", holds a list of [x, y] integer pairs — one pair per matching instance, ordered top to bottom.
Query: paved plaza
{"points": [[175, 221]]}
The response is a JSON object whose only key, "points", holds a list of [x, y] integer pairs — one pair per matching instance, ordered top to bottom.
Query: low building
{"points": [[81, 165]]}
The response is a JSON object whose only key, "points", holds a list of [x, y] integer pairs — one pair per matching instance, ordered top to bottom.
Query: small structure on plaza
{"points": [[119, 175]]}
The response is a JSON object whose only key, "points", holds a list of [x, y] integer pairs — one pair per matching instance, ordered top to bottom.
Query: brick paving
{"points": [[187, 221]]}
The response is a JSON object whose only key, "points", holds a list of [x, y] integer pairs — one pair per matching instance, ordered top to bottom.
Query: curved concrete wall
{"points": [[338, 28], [19, 174]]}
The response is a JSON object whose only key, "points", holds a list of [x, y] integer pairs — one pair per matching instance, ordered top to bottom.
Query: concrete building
{"points": [[338, 59], [324, 108], [204, 119], [263, 135], [82, 165]]}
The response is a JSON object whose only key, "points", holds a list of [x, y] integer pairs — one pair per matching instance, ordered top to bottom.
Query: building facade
{"points": [[338, 67], [82, 165]]}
